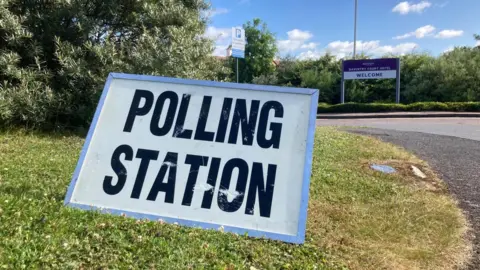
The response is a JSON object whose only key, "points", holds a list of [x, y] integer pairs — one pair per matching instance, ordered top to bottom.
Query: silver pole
{"points": [[355, 32], [237, 70], [342, 87], [397, 96]]}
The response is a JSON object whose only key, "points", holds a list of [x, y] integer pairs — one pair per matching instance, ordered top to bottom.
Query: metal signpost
{"points": [[238, 44], [384, 68], [200, 153]]}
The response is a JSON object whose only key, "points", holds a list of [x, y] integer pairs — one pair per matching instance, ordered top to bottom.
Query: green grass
{"points": [[393, 107], [357, 218]]}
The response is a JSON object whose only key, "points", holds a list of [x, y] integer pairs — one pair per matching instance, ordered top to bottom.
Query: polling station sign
{"points": [[384, 68], [200, 153]]}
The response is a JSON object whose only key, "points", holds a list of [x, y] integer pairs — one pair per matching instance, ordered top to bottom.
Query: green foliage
{"points": [[260, 51], [56, 55], [455, 76], [450, 77], [270, 79], [392, 107]]}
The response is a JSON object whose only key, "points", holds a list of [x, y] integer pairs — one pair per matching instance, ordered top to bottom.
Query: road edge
{"points": [[398, 115]]}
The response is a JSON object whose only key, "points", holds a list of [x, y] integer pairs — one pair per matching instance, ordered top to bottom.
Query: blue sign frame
{"points": [[238, 53], [299, 238]]}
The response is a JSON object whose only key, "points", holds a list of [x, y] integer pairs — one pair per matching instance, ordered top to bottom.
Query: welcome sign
{"points": [[385, 68], [200, 153]]}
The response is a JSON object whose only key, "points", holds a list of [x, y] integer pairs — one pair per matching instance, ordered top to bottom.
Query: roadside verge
{"points": [[357, 217]]}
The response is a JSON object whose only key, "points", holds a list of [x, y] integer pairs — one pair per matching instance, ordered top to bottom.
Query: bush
{"points": [[55, 55], [449, 77], [392, 107]]}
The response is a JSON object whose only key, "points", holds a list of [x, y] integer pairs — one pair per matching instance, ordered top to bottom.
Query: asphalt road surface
{"points": [[467, 128], [450, 146]]}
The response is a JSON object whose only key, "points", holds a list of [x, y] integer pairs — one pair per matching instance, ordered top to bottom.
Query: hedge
{"points": [[393, 107]]}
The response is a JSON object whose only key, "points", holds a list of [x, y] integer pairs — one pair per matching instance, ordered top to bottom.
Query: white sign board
{"points": [[238, 42], [357, 75], [200, 153]]}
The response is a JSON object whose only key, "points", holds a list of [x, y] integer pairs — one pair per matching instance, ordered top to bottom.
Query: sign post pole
{"points": [[355, 32], [238, 45], [342, 87], [397, 99]]}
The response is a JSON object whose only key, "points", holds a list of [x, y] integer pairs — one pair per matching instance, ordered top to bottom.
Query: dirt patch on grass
{"points": [[405, 172]]}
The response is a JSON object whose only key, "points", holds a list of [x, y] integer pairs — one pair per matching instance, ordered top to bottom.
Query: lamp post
{"points": [[355, 32]]}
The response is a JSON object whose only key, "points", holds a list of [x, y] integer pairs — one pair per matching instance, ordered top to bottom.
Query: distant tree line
{"points": [[55, 56], [453, 76]]}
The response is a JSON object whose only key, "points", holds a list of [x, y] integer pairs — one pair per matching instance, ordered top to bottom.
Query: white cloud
{"points": [[408, 7], [218, 11], [424, 31], [218, 33], [419, 33], [296, 34], [449, 34], [221, 36], [405, 36], [297, 39], [478, 43], [285, 46], [310, 46], [337, 47], [343, 48], [449, 49], [220, 50], [309, 55]]}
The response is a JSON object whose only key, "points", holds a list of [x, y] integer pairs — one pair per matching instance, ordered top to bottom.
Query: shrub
{"points": [[55, 55], [393, 107]]}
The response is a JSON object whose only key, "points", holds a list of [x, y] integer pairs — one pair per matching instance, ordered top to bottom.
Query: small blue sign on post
{"points": [[238, 42], [238, 53]]}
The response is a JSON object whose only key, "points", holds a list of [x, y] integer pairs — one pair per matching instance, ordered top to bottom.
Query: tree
{"points": [[260, 51], [55, 55], [322, 74]]}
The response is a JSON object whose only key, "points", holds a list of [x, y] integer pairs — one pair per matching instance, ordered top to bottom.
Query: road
{"points": [[467, 128], [450, 146]]}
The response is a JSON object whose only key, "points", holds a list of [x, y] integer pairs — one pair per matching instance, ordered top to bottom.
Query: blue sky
{"points": [[309, 28]]}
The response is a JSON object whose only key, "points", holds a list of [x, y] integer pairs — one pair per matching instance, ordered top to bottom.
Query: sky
{"points": [[310, 28]]}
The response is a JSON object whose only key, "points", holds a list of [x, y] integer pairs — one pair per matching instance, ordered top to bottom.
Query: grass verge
{"points": [[392, 107], [358, 218]]}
